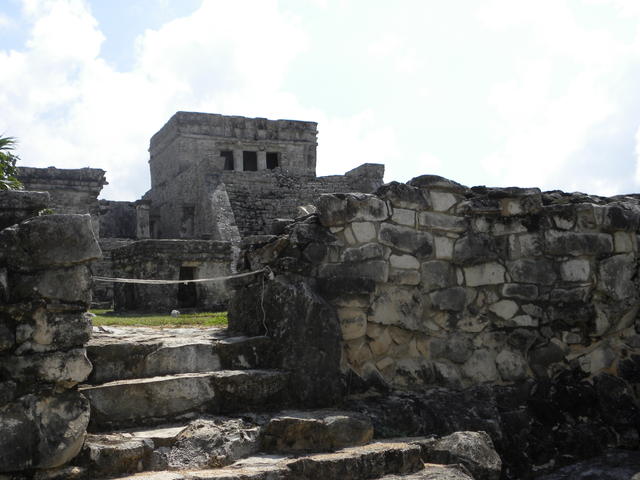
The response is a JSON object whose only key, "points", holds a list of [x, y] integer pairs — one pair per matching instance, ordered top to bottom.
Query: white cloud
{"points": [[567, 85]]}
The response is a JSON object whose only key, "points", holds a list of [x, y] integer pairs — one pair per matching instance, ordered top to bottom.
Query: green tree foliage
{"points": [[8, 171]]}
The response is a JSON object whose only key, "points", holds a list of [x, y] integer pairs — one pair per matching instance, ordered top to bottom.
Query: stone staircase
{"points": [[187, 404]]}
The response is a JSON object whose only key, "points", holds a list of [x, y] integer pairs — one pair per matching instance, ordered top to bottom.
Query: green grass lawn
{"points": [[200, 319]]}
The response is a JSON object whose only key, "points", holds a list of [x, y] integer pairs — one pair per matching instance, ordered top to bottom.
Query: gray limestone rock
{"points": [[435, 182], [402, 195], [19, 205], [340, 208], [407, 240], [50, 241], [575, 244], [537, 271], [438, 274], [67, 285], [67, 368], [42, 431], [315, 431], [208, 443], [474, 450], [435, 472]]}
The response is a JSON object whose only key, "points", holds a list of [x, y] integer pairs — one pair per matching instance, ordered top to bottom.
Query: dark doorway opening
{"points": [[228, 159], [272, 160], [250, 161], [187, 294]]}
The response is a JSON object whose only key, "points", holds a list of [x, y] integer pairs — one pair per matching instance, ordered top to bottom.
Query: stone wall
{"points": [[72, 190], [257, 200], [117, 219], [168, 260], [436, 283], [45, 290], [102, 296]]}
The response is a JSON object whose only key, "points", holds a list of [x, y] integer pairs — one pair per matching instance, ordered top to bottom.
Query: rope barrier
{"points": [[147, 281]]}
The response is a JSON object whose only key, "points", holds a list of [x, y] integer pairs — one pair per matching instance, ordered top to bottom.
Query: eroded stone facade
{"points": [[223, 178], [436, 283]]}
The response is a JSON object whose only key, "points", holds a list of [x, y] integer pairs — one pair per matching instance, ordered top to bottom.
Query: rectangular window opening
{"points": [[228, 159], [272, 160], [250, 161]]}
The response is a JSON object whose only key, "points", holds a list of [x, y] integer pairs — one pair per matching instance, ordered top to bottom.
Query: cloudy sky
{"points": [[493, 92]]}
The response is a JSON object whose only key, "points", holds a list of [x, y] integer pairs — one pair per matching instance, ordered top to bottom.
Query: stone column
{"points": [[237, 160], [262, 160], [142, 219], [43, 332]]}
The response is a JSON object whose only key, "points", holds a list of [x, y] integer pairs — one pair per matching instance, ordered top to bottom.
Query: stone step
{"points": [[121, 353], [150, 401], [222, 440], [354, 463]]}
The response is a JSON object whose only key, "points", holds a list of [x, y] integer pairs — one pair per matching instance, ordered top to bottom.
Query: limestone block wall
{"points": [[257, 200], [164, 260], [437, 283], [45, 291]]}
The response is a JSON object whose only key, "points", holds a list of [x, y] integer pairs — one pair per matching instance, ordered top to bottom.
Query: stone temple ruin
{"points": [[214, 180], [424, 330]]}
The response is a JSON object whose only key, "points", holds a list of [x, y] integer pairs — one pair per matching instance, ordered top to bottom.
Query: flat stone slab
{"points": [[120, 353], [145, 401], [315, 431], [355, 463]]}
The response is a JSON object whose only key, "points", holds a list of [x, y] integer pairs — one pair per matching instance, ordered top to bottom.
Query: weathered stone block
{"points": [[435, 182], [401, 195], [443, 201], [19, 205], [340, 208], [403, 216], [620, 218], [442, 222], [364, 231], [407, 239], [50, 241], [625, 242], [577, 244], [525, 245], [444, 247], [476, 248], [369, 251], [404, 261], [377, 270], [576, 270], [538, 271], [491, 273], [438, 274], [402, 276], [616, 276], [67, 285], [520, 291], [451, 299], [400, 306], [505, 309], [353, 323], [44, 330], [511, 365], [481, 367], [67, 368], [42, 431], [315, 431], [474, 450]]}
